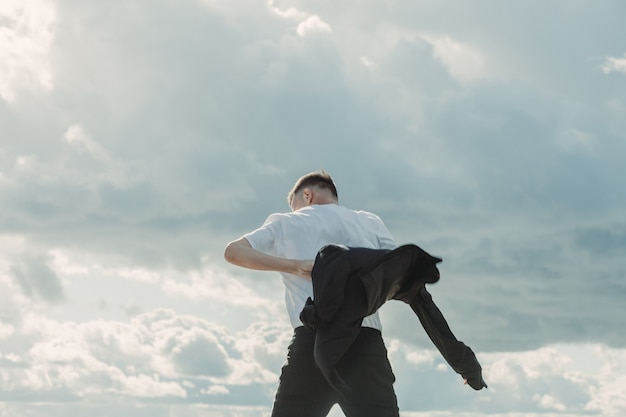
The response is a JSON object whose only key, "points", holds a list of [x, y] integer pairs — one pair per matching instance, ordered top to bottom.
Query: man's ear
{"points": [[307, 194]]}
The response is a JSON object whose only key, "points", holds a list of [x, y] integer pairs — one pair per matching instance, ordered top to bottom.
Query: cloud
{"points": [[289, 13], [312, 24], [26, 35], [462, 61], [614, 64], [76, 136], [136, 141], [120, 172], [37, 279], [207, 283], [215, 285], [501, 292], [6, 330], [265, 342], [158, 354], [161, 354], [200, 356], [68, 362], [557, 379], [217, 390]]}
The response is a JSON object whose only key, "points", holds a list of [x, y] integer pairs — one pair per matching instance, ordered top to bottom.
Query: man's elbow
{"points": [[235, 251], [230, 253]]}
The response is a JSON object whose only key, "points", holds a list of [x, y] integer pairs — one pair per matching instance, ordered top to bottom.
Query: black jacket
{"points": [[351, 283]]}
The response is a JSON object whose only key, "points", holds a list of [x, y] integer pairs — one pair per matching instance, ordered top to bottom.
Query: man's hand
{"points": [[304, 268], [476, 383]]}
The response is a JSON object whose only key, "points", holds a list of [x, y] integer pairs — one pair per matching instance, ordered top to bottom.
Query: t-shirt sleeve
{"points": [[383, 235], [263, 238], [385, 239]]}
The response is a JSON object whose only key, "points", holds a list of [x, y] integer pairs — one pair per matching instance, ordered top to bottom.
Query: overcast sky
{"points": [[137, 138]]}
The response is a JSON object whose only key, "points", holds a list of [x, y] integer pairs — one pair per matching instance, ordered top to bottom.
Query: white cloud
{"points": [[290, 13], [308, 23], [312, 24], [26, 36], [367, 62], [463, 62], [614, 64], [77, 136], [25, 162], [113, 171], [207, 283], [212, 284], [6, 330], [265, 342], [157, 354], [414, 357], [568, 379], [150, 387], [216, 390], [608, 394], [549, 402], [216, 410]]}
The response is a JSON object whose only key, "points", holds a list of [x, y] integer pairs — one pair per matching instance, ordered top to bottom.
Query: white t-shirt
{"points": [[302, 233]]}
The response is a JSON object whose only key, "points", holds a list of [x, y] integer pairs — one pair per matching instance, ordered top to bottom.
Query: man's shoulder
{"points": [[323, 211], [340, 211], [368, 214]]}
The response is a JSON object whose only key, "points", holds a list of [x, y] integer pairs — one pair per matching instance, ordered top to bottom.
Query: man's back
{"points": [[302, 233]]}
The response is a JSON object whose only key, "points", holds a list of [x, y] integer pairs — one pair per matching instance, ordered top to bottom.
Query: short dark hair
{"points": [[319, 178]]}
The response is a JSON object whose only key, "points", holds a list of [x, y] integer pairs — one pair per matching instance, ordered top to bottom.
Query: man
{"points": [[288, 243]]}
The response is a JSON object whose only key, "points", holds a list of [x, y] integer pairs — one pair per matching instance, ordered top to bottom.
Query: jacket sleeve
{"points": [[458, 355]]}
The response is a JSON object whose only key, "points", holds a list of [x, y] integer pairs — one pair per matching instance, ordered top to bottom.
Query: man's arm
{"points": [[241, 253]]}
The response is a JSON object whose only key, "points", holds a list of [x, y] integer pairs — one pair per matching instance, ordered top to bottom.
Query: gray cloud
{"points": [[491, 135], [184, 140], [37, 280], [516, 289], [201, 357]]}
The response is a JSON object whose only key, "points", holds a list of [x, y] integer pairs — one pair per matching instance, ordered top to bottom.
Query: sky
{"points": [[137, 138]]}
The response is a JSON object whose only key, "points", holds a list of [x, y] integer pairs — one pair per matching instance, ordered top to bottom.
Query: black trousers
{"points": [[304, 392]]}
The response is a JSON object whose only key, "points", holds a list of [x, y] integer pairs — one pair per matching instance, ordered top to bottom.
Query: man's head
{"points": [[313, 188]]}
